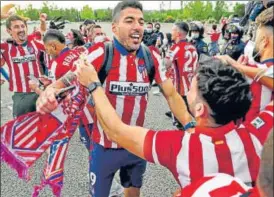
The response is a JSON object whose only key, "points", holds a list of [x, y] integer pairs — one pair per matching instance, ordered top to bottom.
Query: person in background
{"points": [[159, 34], [197, 34], [214, 36], [149, 38], [235, 46]]}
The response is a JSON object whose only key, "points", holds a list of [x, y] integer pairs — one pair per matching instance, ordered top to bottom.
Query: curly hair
{"points": [[225, 89]]}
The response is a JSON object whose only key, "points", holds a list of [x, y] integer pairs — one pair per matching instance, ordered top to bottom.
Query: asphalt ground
{"points": [[158, 181]]}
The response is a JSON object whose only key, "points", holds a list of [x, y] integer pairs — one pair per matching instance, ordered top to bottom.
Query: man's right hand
{"points": [[47, 102]]}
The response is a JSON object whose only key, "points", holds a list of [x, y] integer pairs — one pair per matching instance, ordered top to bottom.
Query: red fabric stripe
{"points": [[13, 53], [36, 64], [25, 70], [141, 118], [148, 146], [223, 156], [57, 157], [252, 158], [196, 165], [192, 188], [228, 191]]}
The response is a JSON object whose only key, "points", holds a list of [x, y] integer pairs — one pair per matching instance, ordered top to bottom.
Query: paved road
{"points": [[158, 181]]}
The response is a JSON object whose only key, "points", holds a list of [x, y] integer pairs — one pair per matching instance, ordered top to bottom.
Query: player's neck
{"points": [[267, 54]]}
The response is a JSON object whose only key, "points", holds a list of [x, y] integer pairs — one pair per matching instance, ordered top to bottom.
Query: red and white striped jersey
{"points": [[184, 59], [22, 60], [64, 63], [126, 85], [261, 94], [227, 149], [219, 185]]}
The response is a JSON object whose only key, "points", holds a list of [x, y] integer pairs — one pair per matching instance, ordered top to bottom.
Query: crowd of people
{"points": [[220, 98]]}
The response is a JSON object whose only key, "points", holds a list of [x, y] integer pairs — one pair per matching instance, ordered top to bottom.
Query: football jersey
{"points": [[184, 58], [22, 60], [64, 63], [126, 85], [261, 95], [230, 149], [219, 185]]}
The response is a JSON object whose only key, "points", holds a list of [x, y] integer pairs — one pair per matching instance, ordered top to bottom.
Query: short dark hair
{"points": [[123, 5], [14, 18], [89, 22], [150, 23], [157, 24], [97, 26], [182, 26], [214, 27], [54, 34], [78, 38], [225, 89], [265, 177]]}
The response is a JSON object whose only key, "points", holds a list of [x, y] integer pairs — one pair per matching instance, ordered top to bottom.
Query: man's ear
{"points": [[114, 27], [8, 31], [200, 110]]}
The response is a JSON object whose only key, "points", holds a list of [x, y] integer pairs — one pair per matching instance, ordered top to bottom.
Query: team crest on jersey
{"points": [[30, 49], [141, 68], [258, 123]]}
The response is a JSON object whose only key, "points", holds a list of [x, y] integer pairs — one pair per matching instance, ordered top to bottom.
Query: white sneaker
{"points": [[116, 189]]}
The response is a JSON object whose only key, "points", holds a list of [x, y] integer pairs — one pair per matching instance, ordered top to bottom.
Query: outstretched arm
{"points": [[129, 137]]}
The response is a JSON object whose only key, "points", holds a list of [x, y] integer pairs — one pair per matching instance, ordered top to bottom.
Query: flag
{"points": [[26, 138]]}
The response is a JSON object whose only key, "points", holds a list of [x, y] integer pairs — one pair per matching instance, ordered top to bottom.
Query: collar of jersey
{"points": [[183, 41], [23, 45], [64, 50], [123, 50], [271, 60], [215, 131]]}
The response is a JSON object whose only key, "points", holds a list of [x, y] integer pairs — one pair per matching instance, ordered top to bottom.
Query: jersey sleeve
{"points": [[39, 44], [3, 46], [96, 55], [160, 68], [262, 125], [162, 147]]}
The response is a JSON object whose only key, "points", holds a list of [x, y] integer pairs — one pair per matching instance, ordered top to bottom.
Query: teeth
{"points": [[136, 36]]}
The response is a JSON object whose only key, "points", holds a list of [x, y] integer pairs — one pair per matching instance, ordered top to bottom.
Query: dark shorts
{"points": [[24, 103], [105, 163]]}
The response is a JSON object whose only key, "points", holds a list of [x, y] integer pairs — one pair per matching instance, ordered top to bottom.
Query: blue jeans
{"points": [[213, 48]]}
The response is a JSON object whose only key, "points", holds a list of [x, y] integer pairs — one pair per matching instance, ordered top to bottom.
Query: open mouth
{"points": [[22, 34], [135, 37]]}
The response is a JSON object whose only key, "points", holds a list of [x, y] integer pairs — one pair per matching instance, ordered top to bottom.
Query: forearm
{"points": [[43, 27], [254, 72], [64, 81], [179, 108]]}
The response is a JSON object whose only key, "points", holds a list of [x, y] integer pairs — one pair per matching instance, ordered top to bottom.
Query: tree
{"points": [[221, 9], [239, 9], [87, 13]]}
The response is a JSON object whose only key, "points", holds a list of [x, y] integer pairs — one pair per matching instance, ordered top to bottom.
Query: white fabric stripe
{"points": [[174, 52], [95, 54], [37, 59], [30, 64], [161, 67], [53, 69], [22, 73], [185, 86], [15, 89], [266, 96], [121, 99], [137, 102], [269, 112], [58, 113], [87, 114], [26, 128], [101, 131], [4, 133], [27, 136], [31, 143], [257, 144], [154, 152], [61, 156], [238, 156], [29, 158], [210, 162], [182, 164], [217, 182]]}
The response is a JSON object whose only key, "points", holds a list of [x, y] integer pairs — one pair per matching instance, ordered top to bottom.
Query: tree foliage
{"points": [[191, 10]]}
